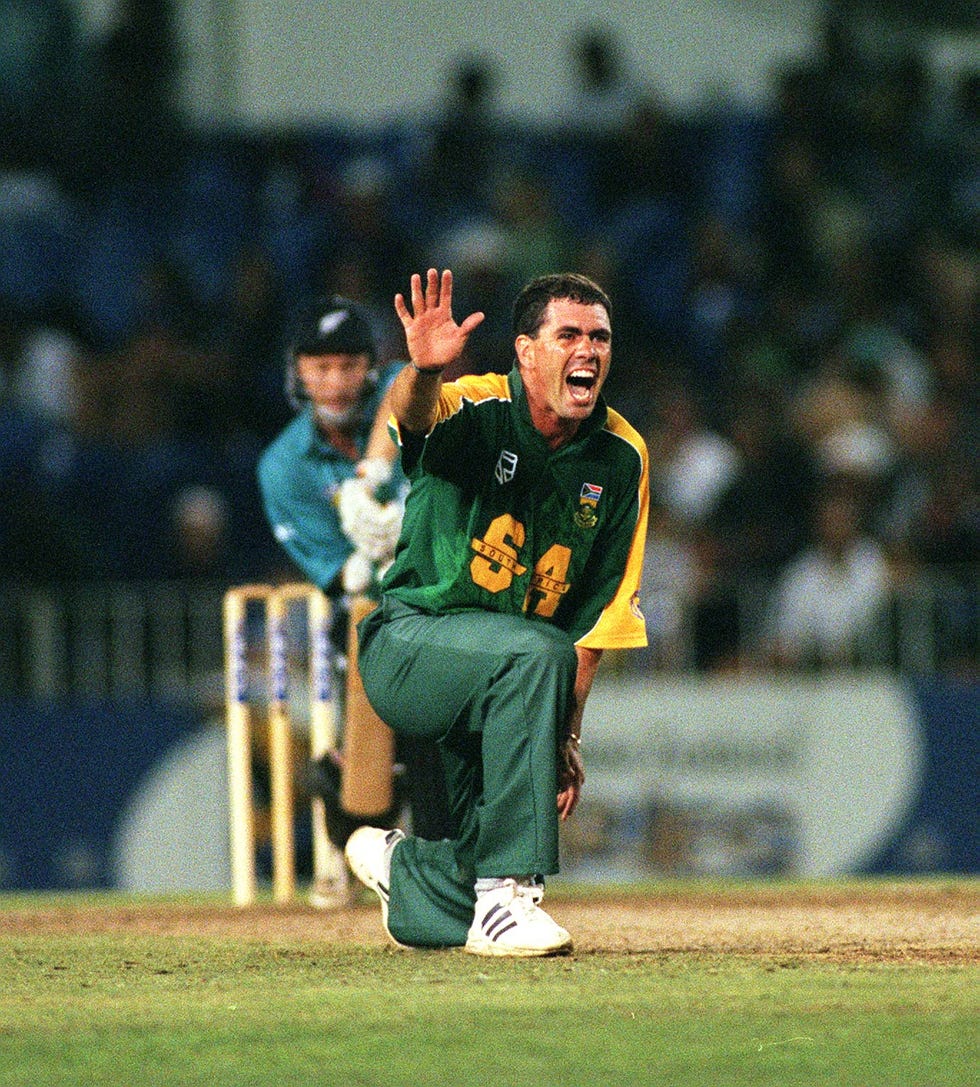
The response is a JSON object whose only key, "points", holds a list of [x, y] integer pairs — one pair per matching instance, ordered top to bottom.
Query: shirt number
{"points": [[496, 564]]}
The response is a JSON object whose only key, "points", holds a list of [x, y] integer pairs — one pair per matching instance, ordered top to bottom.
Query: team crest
{"points": [[506, 467], [585, 515]]}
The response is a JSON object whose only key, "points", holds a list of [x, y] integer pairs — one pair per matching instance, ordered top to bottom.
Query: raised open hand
{"points": [[433, 337]]}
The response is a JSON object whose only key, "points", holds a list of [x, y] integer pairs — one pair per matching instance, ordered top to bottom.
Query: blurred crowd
{"points": [[795, 292]]}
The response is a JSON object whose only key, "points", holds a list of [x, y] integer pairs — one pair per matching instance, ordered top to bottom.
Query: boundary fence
{"points": [[148, 639]]}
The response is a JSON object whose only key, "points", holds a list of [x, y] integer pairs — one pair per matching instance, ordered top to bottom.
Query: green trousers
{"points": [[492, 690]]}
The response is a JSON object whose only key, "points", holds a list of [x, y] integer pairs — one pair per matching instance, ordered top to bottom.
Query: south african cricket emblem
{"points": [[506, 466], [585, 515]]}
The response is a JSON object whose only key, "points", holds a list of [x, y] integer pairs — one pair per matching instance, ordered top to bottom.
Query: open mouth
{"points": [[580, 383]]}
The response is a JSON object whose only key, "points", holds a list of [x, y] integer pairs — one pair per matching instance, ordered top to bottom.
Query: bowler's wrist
{"points": [[431, 370]]}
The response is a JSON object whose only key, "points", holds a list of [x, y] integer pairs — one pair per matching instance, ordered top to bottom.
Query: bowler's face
{"points": [[565, 365]]}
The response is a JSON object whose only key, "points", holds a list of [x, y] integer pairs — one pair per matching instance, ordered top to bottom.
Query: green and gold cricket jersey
{"points": [[497, 521]]}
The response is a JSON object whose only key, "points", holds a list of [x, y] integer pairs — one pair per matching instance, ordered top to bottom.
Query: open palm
{"points": [[433, 337]]}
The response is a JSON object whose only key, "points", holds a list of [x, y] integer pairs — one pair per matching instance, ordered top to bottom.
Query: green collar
{"points": [[596, 421]]}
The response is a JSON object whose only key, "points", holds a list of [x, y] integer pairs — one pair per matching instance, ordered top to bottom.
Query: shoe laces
{"points": [[524, 896]]}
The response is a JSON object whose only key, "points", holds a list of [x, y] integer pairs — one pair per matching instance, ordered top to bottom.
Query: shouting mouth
{"points": [[581, 383]]}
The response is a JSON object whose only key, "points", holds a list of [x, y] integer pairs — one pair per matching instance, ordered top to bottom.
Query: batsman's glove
{"points": [[371, 526], [357, 573]]}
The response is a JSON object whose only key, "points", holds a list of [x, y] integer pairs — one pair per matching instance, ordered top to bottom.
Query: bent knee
{"points": [[546, 646]]}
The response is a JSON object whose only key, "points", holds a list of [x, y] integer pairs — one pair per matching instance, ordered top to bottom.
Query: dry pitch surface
{"points": [[928, 922]]}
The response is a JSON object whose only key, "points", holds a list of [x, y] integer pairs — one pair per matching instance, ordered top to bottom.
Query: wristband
{"points": [[423, 370]]}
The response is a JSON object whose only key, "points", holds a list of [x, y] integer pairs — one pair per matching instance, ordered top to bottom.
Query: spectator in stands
{"points": [[40, 77], [828, 84], [602, 91], [132, 121], [459, 149], [641, 156], [956, 162], [795, 196], [293, 219], [39, 225], [536, 241], [369, 246], [946, 276], [722, 296], [252, 338], [47, 349], [161, 384], [842, 413], [691, 464], [758, 517], [198, 537], [944, 543], [668, 589], [831, 595], [720, 621]]}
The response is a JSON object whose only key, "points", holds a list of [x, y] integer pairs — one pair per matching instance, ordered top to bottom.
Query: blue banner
{"points": [[66, 771], [77, 782], [940, 833]]}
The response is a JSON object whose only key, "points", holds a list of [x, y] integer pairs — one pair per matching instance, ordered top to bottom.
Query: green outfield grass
{"points": [[146, 1010]]}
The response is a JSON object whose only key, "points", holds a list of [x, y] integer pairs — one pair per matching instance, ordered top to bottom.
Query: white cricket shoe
{"points": [[368, 852], [508, 921]]}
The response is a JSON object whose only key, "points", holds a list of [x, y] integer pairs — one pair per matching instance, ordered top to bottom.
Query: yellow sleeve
{"points": [[621, 624]]}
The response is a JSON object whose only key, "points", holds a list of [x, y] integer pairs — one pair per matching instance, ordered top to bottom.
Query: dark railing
{"points": [[164, 638], [106, 640]]}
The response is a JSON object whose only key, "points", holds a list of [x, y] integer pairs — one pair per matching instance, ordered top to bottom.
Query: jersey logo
{"points": [[506, 467], [585, 516]]}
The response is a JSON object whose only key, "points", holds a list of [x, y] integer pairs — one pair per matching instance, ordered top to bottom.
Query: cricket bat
{"points": [[367, 778]]}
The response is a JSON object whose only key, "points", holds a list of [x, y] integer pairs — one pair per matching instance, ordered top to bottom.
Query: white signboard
{"points": [[741, 776]]}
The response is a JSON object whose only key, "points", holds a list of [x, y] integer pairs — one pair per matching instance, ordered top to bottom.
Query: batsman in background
{"points": [[331, 486], [519, 563]]}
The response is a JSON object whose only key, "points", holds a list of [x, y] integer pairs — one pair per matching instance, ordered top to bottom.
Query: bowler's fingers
{"points": [[445, 289], [435, 291], [438, 294], [418, 296], [445, 300], [405, 315], [471, 322], [567, 800]]}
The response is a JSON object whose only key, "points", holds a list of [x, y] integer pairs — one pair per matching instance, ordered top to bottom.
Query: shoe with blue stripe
{"points": [[509, 921]]}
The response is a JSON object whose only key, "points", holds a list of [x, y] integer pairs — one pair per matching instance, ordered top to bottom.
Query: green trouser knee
{"points": [[492, 690], [431, 903]]}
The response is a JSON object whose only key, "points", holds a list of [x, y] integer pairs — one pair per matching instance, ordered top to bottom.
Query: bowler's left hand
{"points": [[571, 778]]}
